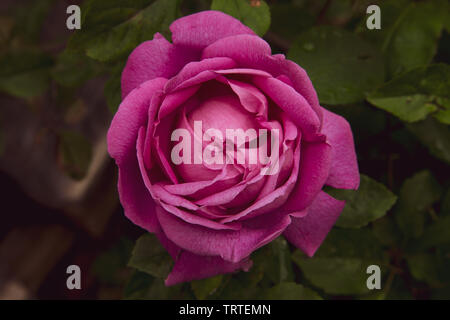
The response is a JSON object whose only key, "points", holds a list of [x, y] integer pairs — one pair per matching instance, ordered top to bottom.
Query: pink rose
{"points": [[212, 216]]}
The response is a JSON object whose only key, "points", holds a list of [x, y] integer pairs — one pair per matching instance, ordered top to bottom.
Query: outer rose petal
{"points": [[201, 29], [246, 50], [152, 59], [300, 81], [132, 114], [314, 170], [344, 172], [137, 203], [307, 233], [230, 245], [189, 266]]}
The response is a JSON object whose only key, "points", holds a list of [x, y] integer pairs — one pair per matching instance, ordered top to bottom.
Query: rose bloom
{"points": [[211, 217]]}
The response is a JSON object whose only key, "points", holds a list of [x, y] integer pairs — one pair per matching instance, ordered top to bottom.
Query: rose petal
{"points": [[201, 29], [246, 50], [152, 59], [194, 68], [299, 79], [251, 98], [175, 99], [293, 104], [132, 114], [314, 169], [344, 172], [200, 189], [239, 194], [273, 200], [137, 203], [173, 203], [309, 232], [228, 244], [189, 266]]}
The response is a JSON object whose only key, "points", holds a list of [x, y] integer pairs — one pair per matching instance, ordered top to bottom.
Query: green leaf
{"points": [[254, 14], [31, 18], [121, 26], [412, 39], [342, 67], [72, 69], [24, 74], [113, 89], [417, 93], [443, 114], [433, 135], [75, 152], [417, 195], [370, 202], [386, 231], [436, 234], [150, 256], [276, 259], [108, 265], [271, 265], [339, 266], [423, 267], [138, 286], [142, 286], [206, 287], [290, 291]]}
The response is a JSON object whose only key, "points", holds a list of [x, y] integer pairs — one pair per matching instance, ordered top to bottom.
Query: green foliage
{"points": [[254, 14], [31, 15], [112, 29], [412, 39], [342, 67], [72, 69], [24, 74], [112, 89], [417, 93], [433, 135], [75, 153], [417, 195], [370, 202], [386, 231], [434, 235], [150, 256], [109, 265], [339, 266], [423, 267], [279, 269], [142, 286], [206, 287], [290, 291]]}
